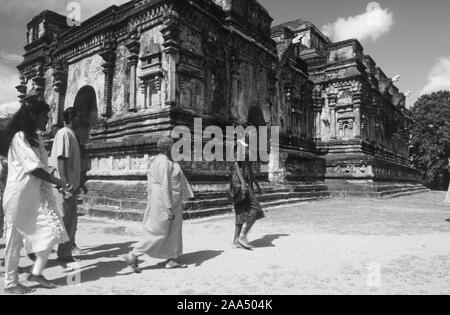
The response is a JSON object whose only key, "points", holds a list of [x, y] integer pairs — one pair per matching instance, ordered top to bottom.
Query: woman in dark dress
{"points": [[249, 210]]}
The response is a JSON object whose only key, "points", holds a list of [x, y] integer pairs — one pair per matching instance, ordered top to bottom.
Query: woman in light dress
{"points": [[32, 215], [162, 236]]}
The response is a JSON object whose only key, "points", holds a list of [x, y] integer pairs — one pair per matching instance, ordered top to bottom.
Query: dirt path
{"points": [[399, 246]]}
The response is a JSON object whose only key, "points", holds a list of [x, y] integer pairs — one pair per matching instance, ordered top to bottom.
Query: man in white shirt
{"points": [[66, 160]]}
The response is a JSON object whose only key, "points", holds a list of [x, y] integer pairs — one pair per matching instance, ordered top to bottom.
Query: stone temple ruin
{"points": [[136, 71]]}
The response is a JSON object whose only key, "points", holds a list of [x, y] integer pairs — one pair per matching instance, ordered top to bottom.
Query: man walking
{"points": [[66, 160]]}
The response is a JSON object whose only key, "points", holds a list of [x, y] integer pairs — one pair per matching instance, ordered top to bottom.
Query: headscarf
{"points": [[164, 144]]}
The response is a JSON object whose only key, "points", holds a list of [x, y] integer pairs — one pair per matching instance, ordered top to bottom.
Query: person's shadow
{"points": [[267, 241], [198, 258], [192, 259], [116, 267], [98, 270]]}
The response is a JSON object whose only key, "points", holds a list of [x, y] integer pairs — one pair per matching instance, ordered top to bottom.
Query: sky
{"points": [[410, 38]]}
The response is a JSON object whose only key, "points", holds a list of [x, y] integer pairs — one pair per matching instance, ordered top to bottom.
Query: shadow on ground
{"points": [[267, 241], [198, 258], [102, 270]]}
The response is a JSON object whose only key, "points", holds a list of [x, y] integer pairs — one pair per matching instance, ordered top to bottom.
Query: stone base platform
{"points": [[370, 189], [128, 200]]}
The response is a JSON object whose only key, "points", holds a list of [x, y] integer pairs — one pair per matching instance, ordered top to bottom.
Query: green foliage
{"points": [[430, 143]]}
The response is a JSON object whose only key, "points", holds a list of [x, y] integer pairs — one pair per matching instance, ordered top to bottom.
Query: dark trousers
{"points": [[70, 218]]}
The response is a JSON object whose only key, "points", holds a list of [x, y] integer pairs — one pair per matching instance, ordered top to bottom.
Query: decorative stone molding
{"points": [[39, 79]]}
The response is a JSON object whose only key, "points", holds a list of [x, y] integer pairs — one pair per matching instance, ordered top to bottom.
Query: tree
{"points": [[430, 141]]}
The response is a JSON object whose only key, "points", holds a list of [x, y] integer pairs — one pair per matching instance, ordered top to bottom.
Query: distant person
{"points": [[66, 160], [3, 174], [447, 197], [246, 207], [32, 216], [162, 236]]}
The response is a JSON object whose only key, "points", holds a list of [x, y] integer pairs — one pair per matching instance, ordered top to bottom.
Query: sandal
{"points": [[246, 245], [240, 246], [132, 263], [175, 265]]}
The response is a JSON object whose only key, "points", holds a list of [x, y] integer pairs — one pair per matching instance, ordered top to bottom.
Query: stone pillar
{"points": [[133, 47], [171, 48], [108, 53], [109, 56], [132, 62], [157, 84], [59, 85], [145, 92], [332, 104], [289, 107], [317, 112], [357, 113]]}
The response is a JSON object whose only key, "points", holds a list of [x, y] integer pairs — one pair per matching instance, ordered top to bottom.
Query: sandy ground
{"points": [[399, 246]]}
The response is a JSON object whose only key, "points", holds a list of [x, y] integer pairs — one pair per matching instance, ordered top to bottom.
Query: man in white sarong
{"points": [[162, 226]]}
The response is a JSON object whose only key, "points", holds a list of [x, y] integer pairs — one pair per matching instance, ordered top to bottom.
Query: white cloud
{"points": [[28, 9], [372, 24], [10, 58], [439, 77], [9, 79], [8, 109]]}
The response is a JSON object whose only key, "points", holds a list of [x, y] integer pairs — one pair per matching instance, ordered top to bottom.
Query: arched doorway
{"points": [[86, 103], [256, 117]]}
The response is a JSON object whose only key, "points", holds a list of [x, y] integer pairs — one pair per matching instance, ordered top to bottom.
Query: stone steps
{"points": [[384, 191], [407, 193], [212, 203], [205, 204]]}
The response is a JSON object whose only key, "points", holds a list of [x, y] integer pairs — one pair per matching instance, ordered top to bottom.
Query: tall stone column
{"points": [[133, 47], [171, 50], [108, 54], [132, 62], [59, 86], [144, 88], [289, 107], [317, 112], [357, 112], [333, 122]]}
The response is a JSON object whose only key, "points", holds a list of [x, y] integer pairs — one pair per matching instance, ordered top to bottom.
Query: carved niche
{"points": [[151, 73]]}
